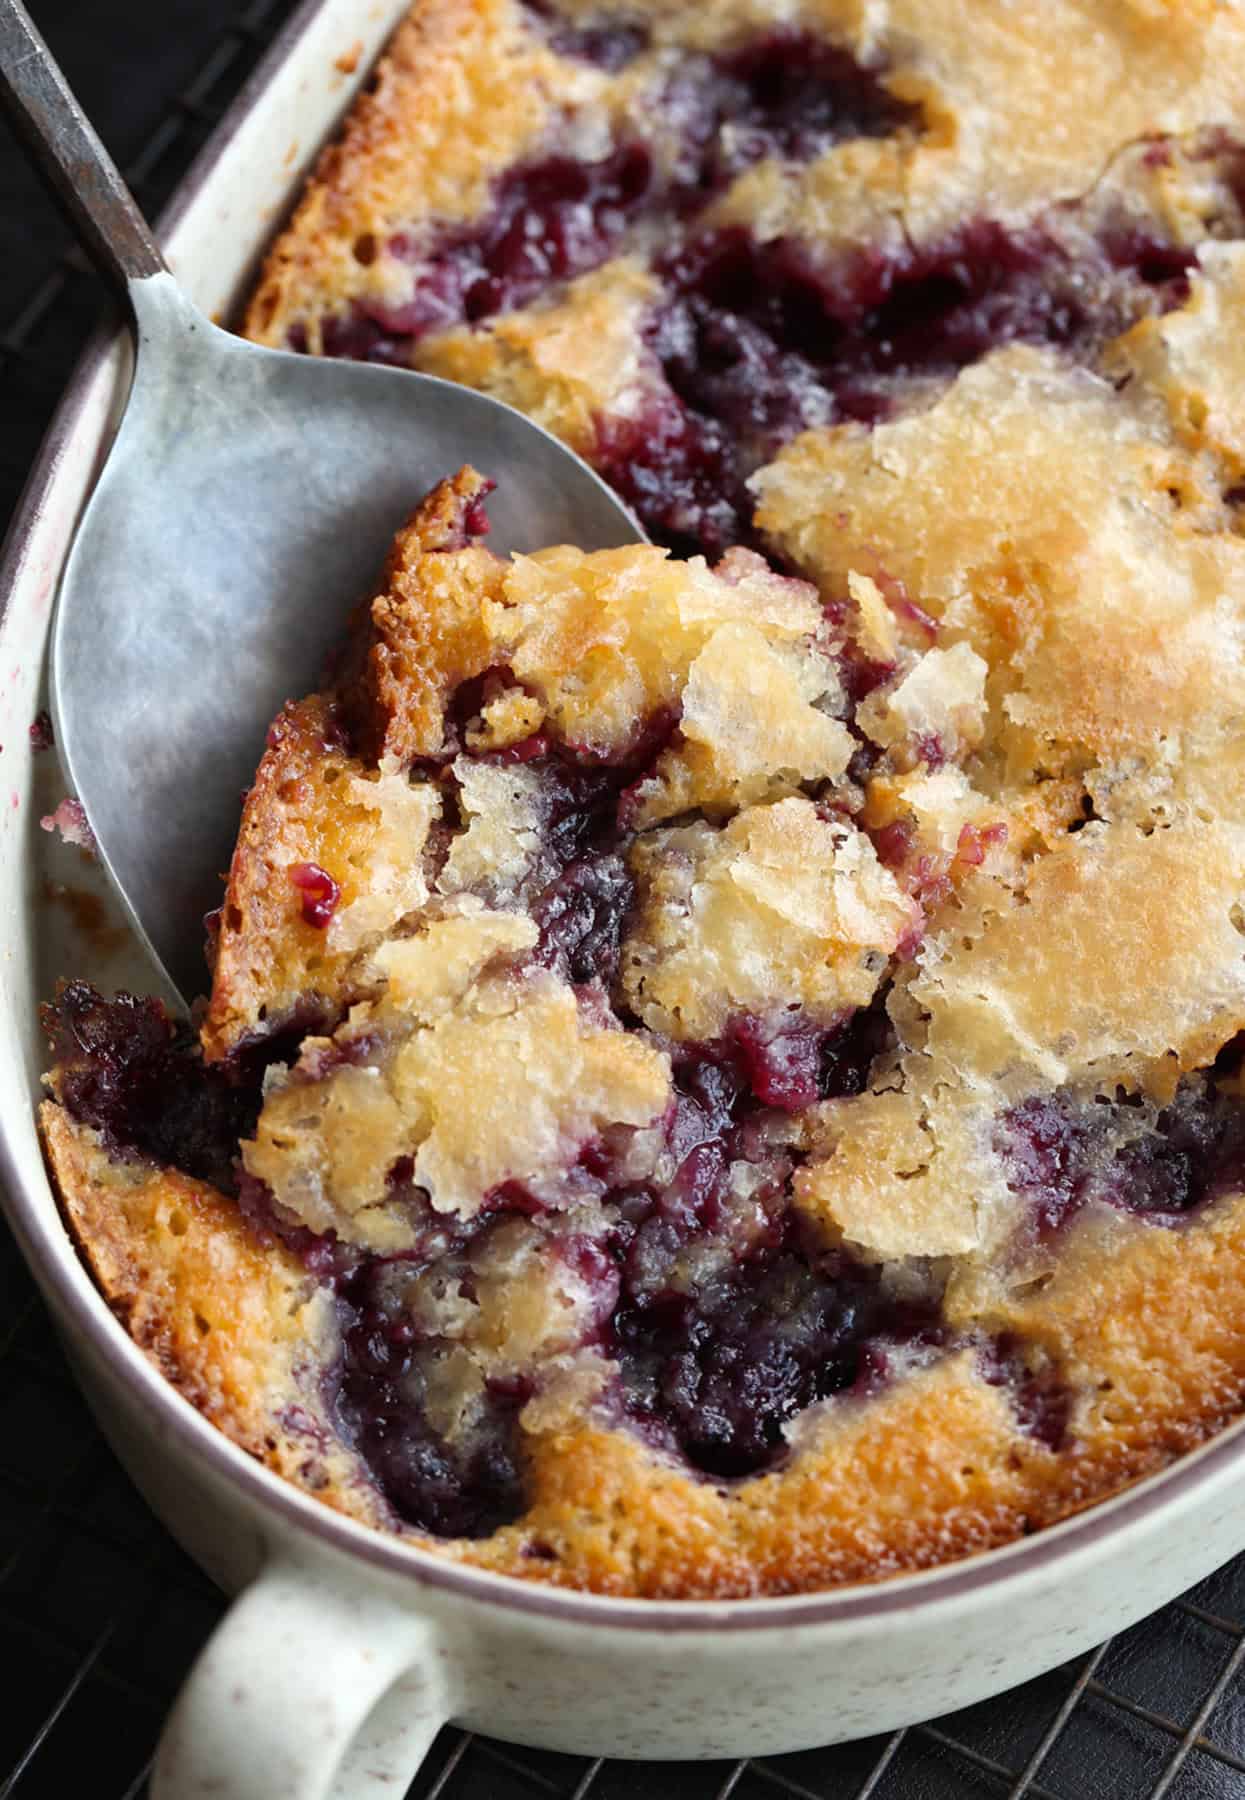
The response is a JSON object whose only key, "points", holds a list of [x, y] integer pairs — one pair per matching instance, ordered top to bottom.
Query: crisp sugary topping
{"points": [[1055, 526], [877, 631], [606, 640], [937, 711], [756, 723], [502, 807], [386, 858], [782, 909], [426, 975], [1044, 985], [507, 1085], [514, 1089], [324, 1152], [902, 1174]]}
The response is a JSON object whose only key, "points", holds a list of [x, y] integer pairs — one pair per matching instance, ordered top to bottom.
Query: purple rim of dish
{"points": [[205, 1443]]}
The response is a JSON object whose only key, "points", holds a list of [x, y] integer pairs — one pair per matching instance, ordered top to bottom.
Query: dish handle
{"points": [[307, 1690]]}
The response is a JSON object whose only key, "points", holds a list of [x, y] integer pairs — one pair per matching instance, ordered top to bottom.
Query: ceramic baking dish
{"points": [[346, 1650]]}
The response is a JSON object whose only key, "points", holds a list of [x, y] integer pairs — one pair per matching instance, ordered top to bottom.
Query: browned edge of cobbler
{"points": [[43, 1245]]}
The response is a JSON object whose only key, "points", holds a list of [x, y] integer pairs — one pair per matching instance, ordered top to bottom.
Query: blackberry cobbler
{"points": [[725, 1064]]}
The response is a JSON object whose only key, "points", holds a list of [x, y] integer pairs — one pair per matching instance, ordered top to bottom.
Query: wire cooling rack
{"points": [[100, 1613]]}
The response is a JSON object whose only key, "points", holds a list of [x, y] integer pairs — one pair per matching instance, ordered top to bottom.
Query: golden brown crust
{"points": [[463, 91], [1036, 107], [566, 363], [425, 632], [410, 647], [260, 907], [270, 968], [1142, 1320], [234, 1322], [935, 1468]]}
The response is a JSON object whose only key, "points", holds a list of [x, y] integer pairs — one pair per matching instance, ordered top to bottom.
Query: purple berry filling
{"points": [[608, 44], [610, 47], [786, 94], [551, 219], [927, 311], [756, 341], [681, 476], [583, 806], [320, 893], [581, 912], [581, 917], [783, 1061], [791, 1063], [128, 1071], [1063, 1154], [722, 1340], [718, 1370], [1041, 1399], [465, 1489]]}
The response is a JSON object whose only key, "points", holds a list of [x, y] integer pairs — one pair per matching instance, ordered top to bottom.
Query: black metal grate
{"points": [[100, 1613]]}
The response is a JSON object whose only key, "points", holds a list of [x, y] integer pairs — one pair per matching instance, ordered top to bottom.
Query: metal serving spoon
{"points": [[246, 502]]}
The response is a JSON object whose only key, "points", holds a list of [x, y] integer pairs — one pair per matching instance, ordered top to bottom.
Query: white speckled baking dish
{"points": [[345, 1650]]}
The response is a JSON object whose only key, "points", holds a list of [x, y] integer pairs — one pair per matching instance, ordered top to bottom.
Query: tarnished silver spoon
{"points": [[247, 498]]}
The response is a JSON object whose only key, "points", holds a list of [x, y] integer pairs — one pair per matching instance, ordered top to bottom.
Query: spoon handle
{"points": [[65, 149]]}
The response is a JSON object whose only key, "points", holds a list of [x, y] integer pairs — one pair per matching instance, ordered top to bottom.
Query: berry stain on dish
{"points": [[702, 1033]]}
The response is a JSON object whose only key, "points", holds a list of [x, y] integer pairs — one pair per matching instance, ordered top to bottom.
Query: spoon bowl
{"points": [[248, 498]]}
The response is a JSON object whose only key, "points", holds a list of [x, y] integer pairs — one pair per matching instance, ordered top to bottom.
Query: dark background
{"points": [[100, 1614]]}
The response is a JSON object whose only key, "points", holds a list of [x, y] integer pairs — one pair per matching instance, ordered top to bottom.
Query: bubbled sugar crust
{"points": [[737, 1043]]}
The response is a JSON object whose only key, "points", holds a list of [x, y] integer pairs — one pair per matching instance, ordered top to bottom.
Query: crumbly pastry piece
{"points": [[689, 233], [723, 1072], [234, 1321]]}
